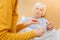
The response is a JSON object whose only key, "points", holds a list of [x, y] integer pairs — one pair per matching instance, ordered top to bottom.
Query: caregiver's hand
{"points": [[31, 21], [50, 26], [39, 32]]}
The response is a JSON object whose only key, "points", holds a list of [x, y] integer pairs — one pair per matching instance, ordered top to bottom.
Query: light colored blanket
{"points": [[49, 35]]}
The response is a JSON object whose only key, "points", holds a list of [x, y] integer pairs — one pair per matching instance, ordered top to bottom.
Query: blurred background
{"points": [[52, 14]]}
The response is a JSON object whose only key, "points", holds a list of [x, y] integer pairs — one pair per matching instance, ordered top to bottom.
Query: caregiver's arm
{"points": [[5, 21], [20, 26], [5, 35]]}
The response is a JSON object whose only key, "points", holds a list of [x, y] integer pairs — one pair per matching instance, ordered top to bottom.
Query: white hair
{"points": [[40, 5]]}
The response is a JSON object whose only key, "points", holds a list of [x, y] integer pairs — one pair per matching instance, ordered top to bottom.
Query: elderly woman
{"points": [[39, 10], [8, 19]]}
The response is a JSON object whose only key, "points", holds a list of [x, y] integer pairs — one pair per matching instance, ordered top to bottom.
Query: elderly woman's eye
{"points": [[37, 8], [41, 10]]}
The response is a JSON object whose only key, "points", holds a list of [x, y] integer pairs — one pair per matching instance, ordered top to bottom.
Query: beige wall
{"points": [[52, 13]]}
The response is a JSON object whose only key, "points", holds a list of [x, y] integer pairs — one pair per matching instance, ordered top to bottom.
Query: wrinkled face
{"points": [[38, 12]]}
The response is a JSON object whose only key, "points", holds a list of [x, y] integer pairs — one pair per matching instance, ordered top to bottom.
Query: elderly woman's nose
{"points": [[38, 10]]}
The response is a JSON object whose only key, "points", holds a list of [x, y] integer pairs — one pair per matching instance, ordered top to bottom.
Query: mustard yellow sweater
{"points": [[8, 20]]}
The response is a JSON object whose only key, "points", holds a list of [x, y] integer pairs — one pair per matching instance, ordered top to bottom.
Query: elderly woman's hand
{"points": [[31, 21], [50, 26], [39, 32]]}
